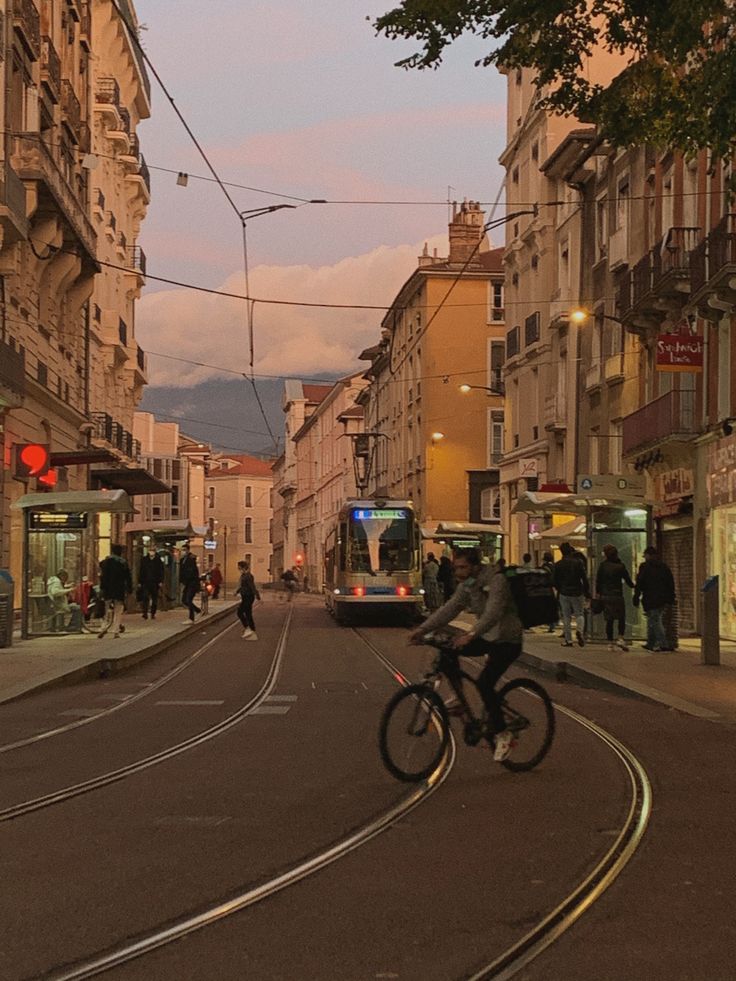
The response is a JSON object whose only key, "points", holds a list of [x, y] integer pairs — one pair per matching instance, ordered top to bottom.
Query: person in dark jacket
{"points": [[548, 566], [150, 577], [446, 577], [189, 579], [216, 581], [571, 583], [115, 584], [609, 586], [655, 587], [248, 592]]}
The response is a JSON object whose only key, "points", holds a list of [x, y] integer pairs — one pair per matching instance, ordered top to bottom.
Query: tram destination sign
{"points": [[380, 514], [57, 521]]}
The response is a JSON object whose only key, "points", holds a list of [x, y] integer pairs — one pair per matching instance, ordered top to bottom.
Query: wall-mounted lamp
{"points": [[436, 437]]}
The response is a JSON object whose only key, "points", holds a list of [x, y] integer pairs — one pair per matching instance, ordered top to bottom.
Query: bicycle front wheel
{"points": [[528, 713], [414, 733]]}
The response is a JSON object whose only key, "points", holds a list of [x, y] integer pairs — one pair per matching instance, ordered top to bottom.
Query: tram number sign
{"points": [[382, 514]]}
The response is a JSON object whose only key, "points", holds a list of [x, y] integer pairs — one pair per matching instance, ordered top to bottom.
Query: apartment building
{"points": [[68, 380], [434, 443], [326, 474], [239, 513]]}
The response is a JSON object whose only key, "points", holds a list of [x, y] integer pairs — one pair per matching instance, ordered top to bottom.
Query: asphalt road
{"points": [[438, 895]]}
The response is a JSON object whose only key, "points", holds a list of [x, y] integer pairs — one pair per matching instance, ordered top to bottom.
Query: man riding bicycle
{"points": [[497, 633]]}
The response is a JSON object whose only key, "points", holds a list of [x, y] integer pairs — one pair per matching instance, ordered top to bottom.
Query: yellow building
{"points": [[434, 443]]}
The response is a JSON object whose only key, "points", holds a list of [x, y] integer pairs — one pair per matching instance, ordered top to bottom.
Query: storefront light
{"points": [[635, 513]]}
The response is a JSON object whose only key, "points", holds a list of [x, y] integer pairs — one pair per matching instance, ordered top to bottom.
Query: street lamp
{"points": [[579, 315], [465, 388], [436, 437]]}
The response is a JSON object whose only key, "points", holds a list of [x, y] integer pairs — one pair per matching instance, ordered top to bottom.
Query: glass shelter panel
{"points": [[55, 572]]}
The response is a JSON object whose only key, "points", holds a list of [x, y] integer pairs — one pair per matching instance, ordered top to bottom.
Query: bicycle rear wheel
{"points": [[528, 713], [414, 733]]}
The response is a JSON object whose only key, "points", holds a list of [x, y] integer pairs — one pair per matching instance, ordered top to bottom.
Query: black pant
{"points": [[190, 591], [149, 595], [245, 612], [500, 656]]}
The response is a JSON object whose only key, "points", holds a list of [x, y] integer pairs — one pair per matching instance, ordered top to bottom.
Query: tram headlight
{"points": [[336, 592], [421, 592]]}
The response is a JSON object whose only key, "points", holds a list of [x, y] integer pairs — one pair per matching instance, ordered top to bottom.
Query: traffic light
{"points": [[31, 460], [299, 559]]}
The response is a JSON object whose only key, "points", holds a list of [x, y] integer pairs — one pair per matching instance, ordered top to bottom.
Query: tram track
{"points": [[128, 701], [121, 773], [504, 966]]}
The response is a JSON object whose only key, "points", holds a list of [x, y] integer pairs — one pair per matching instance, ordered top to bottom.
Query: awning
{"points": [[74, 458], [135, 480], [73, 502], [536, 502], [182, 528], [458, 529], [568, 531]]}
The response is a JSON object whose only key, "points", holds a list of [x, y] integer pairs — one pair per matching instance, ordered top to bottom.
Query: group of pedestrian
{"points": [[438, 581], [654, 588]]}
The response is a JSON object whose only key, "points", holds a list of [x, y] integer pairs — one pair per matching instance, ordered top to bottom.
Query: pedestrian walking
{"points": [[526, 561], [548, 566], [446, 577], [150, 578], [189, 579], [216, 581], [291, 582], [571, 583], [115, 584], [431, 586], [609, 587], [655, 588], [248, 592]]}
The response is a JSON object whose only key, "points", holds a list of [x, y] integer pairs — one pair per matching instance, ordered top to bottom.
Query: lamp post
{"points": [[465, 388]]}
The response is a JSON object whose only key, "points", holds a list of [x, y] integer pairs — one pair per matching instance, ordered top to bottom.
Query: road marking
{"points": [[116, 698], [280, 698], [193, 701], [270, 710], [81, 713]]}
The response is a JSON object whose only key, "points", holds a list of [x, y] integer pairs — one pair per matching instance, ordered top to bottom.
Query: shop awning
{"points": [[75, 458], [133, 480], [73, 502], [182, 528]]}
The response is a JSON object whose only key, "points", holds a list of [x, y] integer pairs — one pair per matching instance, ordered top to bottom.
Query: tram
{"points": [[373, 559]]}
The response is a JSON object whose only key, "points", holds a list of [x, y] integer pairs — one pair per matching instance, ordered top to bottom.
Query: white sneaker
{"points": [[247, 633], [252, 635], [621, 643], [612, 648], [502, 745]]}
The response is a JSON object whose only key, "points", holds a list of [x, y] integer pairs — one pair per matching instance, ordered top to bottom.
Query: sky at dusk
{"points": [[302, 101]]}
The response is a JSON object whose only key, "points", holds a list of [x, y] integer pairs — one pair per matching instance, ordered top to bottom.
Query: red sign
{"points": [[680, 352], [31, 460]]}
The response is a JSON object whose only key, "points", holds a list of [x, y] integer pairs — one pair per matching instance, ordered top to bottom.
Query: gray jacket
{"points": [[489, 598]]}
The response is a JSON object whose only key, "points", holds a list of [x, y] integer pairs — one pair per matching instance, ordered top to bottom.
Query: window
{"points": [[535, 151], [622, 203], [601, 228], [496, 294], [497, 356], [495, 430], [210, 497], [249, 497], [490, 504], [270, 531], [248, 535]]}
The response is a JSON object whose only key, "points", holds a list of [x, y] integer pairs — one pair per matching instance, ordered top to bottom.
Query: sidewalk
{"points": [[46, 661], [678, 679]]}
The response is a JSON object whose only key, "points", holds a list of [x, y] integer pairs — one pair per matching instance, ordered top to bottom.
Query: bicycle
{"points": [[415, 726]]}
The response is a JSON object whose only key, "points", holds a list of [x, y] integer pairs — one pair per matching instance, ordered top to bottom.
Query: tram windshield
{"points": [[381, 540]]}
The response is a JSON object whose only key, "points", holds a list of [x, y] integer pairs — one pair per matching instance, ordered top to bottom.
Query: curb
{"points": [[105, 667]]}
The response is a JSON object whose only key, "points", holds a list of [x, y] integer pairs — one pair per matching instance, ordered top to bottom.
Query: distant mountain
{"points": [[223, 412]]}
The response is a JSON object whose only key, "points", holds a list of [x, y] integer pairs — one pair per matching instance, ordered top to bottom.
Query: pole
{"points": [[224, 578], [710, 641]]}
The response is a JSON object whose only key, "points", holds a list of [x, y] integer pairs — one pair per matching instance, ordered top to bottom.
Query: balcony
{"points": [[27, 24], [85, 28], [50, 69], [107, 92], [71, 110], [34, 160], [142, 178], [98, 204], [13, 221], [111, 225], [121, 244], [618, 248], [136, 262], [671, 264], [714, 290], [639, 304], [123, 332], [513, 338], [613, 367], [12, 375], [593, 376], [555, 413], [670, 418], [103, 426]]}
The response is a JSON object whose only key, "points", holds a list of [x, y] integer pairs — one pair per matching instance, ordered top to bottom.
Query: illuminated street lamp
{"points": [[465, 388], [436, 437]]}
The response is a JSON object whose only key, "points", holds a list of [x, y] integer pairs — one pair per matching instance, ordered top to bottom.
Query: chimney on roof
{"points": [[466, 232]]}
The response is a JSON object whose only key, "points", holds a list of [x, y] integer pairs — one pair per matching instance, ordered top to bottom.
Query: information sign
{"points": [[56, 521]]}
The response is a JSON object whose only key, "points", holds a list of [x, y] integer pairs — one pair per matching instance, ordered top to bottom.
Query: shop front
{"points": [[721, 490], [673, 517], [65, 535]]}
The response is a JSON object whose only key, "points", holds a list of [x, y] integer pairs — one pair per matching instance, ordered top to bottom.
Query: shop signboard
{"points": [[680, 352], [528, 466], [722, 472], [674, 484], [56, 521]]}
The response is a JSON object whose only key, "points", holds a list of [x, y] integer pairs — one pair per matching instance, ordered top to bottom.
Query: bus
{"points": [[373, 560]]}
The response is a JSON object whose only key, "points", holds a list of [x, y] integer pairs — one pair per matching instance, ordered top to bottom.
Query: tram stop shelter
{"points": [[589, 523], [465, 534], [65, 536], [167, 536]]}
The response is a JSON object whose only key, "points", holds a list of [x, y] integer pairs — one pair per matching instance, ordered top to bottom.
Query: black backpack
{"points": [[533, 595]]}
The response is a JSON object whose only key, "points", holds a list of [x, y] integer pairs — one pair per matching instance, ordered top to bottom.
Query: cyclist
{"points": [[497, 633]]}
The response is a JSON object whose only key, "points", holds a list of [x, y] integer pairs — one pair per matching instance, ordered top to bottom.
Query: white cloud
{"points": [[289, 340]]}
